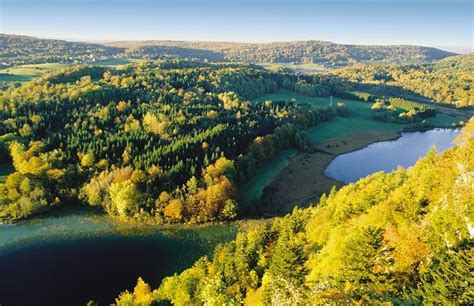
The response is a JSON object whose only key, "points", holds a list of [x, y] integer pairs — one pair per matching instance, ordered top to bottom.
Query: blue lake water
{"points": [[388, 155], [68, 258]]}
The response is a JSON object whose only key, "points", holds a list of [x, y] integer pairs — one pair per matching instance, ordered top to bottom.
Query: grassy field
{"points": [[116, 62], [303, 68], [24, 73], [360, 118], [446, 120], [344, 126], [5, 169], [252, 191]]}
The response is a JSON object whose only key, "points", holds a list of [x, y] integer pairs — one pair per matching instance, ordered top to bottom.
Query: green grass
{"points": [[116, 62], [49, 66], [304, 68], [25, 73], [5, 77], [360, 118], [445, 120], [344, 126], [6, 168], [252, 191]]}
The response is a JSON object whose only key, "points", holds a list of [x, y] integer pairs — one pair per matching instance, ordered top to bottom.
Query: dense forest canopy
{"points": [[23, 49], [450, 80], [164, 141], [167, 141], [399, 238]]}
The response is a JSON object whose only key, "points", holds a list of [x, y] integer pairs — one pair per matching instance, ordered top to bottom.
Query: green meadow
{"points": [[116, 62], [303, 68], [24, 73], [359, 119], [252, 191]]}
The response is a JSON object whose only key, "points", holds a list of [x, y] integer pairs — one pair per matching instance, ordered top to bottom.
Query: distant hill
{"points": [[18, 49], [321, 52]]}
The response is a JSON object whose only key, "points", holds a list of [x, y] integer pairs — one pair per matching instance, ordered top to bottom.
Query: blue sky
{"points": [[446, 23]]}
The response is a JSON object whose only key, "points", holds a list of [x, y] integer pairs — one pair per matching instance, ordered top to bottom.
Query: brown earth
{"points": [[303, 181]]}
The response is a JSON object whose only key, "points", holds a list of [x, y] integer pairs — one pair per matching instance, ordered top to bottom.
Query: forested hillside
{"points": [[17, 49], [23, 49], [322, 52], [450, 80], [159, 142], [399, 238]]}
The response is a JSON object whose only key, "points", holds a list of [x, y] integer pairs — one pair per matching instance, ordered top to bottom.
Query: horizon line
{"points": [[458, 48]]}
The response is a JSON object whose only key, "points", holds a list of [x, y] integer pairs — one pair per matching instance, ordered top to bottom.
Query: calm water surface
{"points": [[388, 155], [70, 257]]}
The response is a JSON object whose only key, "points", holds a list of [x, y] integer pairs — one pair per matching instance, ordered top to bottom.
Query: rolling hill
{"points": [[17, 49], [323, 52]]}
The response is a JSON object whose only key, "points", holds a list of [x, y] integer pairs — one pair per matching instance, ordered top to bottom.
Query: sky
{"points": [[441, 23]]}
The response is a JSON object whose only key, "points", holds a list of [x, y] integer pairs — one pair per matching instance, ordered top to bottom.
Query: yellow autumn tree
{"points": [[156, 124], [87, 160], [29, 161], [125, 197], [174, 210], [142, 294]]}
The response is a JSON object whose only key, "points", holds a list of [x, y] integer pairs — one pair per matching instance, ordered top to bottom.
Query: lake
{"points": [[388, 155], [70, 257]]}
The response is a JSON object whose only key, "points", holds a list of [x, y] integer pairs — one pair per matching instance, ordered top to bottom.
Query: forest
{"points": [[18, 49], [29, 50], [326, 53], [450, 80], [167, 141], [155, 142], [403, 237]]}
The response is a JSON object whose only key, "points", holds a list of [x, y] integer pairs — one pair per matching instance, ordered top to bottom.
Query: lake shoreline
{"points": [[389, 155], [303, 181], [93, 247]]}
